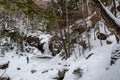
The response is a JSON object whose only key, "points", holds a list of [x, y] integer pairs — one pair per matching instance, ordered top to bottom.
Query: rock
{"points": [[101, 36], [35, 42], [109, 42], [54, 46], [40, 47], [59, 63], [4, 66], [18, 68], [33, 71], [45, 71], [78, 72], [61, 74], [4, 78]]}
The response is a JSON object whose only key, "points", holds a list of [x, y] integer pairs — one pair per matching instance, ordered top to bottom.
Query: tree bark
{"points": [[115, 8], [111, 23]]}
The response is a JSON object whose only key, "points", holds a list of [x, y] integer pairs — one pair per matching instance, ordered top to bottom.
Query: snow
{"points": [[116, 20], [46, 67], [96, 67]]}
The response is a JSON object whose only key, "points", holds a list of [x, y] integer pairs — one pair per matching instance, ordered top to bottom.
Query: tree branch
{"points": [[109, 18]]}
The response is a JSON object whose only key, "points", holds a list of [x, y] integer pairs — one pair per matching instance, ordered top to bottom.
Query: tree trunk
{"points": [[114, 5], [111, 23]]}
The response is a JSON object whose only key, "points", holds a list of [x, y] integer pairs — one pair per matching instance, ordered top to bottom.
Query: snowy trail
{"points": [[97, 67], [46, 69]]}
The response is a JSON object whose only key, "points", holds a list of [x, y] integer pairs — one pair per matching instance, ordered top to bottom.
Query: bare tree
{"points": [[108, 17]]}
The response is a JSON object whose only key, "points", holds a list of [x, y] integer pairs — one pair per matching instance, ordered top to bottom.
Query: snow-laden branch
{"points": [[116, 20], [112, 22]]}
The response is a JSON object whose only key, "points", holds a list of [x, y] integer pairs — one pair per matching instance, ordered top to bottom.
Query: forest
{"points": [[59, 39]]}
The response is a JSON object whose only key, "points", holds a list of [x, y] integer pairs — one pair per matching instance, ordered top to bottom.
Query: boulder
{"points": [[101, 36]]}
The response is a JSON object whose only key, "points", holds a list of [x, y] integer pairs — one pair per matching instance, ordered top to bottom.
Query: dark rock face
{"points": [[35, 42], [54, 45], [40, 47]]}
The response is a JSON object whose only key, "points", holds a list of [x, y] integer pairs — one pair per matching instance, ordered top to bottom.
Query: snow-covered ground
{"points": [[46, 67], [96, 67]]}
